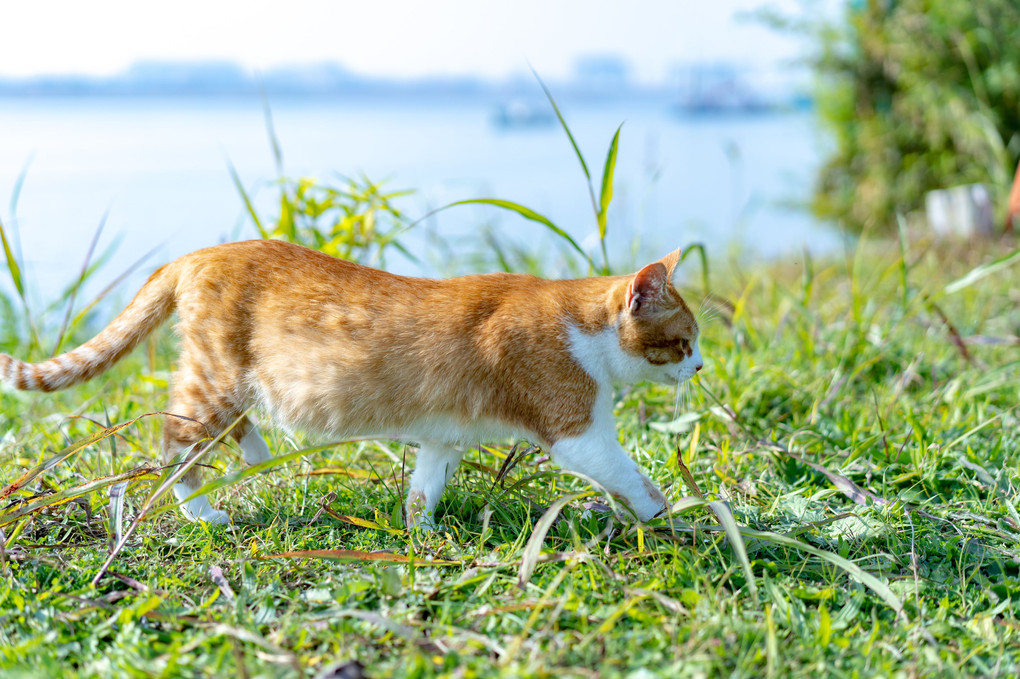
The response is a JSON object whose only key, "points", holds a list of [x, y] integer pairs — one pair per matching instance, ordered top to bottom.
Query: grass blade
{"points": [[570, 136], [274, 141], [608, 171], [19, 184], [606, 195], [247, 200], [527, 213], [901, 228], [703, 256], [12, 266], [14, 270], [980, 272], [77, 284], [109, 288], [954, 334], [64, 454], [342, 471], [245, 473], [685, 473], [171, 476], [846, 486], [67, 494], [686, 504], [365, 523], [729, 524], [116, 528], [533, 550], [358, 555], [852, 569]]}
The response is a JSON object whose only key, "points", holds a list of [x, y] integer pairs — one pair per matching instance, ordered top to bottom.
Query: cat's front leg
{"points": [[598, 454], [436, 464]]}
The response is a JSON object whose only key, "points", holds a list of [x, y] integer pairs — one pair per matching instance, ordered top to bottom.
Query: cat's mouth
{"points": [[684, 374], [674, 377]]}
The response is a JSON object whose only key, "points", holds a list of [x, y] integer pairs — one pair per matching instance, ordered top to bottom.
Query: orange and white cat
{"points": [[350, 351]]}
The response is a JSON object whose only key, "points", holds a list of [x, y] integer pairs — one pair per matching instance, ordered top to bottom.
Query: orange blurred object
{"points": [[1013, 208]]}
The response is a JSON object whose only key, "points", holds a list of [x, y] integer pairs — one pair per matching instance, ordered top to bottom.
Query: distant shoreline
{"points": [[708, 88]]}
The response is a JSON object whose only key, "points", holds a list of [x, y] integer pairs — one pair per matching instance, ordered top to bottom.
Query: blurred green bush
{"points": [[920, 95], [356, 221]]}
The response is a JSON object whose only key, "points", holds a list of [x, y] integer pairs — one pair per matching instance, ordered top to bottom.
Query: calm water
{"points": [[159, 167]]}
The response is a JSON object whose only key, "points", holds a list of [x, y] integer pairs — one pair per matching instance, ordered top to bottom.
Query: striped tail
{"points": [[150, 307]]}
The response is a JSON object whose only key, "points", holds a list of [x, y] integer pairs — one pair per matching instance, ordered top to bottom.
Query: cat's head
{"points": [[657, 327]]}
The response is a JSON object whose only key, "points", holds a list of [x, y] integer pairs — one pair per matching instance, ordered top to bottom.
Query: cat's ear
{"points": [[672, 262], [647, 287]]}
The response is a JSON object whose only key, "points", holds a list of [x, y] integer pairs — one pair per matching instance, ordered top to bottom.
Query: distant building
{"points": [[604, 74], [191, 77], [320, 78], [716, 88]]}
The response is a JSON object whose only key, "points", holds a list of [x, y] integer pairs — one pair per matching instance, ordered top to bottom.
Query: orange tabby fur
{"points": [[347, 350]]}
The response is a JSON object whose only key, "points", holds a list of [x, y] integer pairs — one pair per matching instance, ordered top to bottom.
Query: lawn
{"points": [[857, 418]]}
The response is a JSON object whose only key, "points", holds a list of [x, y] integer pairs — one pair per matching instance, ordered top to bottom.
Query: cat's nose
{"points": [[698, 367]]}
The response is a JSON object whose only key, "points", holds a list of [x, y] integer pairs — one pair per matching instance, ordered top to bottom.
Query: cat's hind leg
{"points": [[200, 413], [174, 445], [253, 446], [432, 471]]}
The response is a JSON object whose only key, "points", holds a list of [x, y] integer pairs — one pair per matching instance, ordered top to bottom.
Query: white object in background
{"points": [[962, 210]]}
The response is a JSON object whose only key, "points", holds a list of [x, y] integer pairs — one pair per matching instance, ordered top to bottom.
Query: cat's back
{"points": [[272, 263], [282, 265], [262, 279], [298, 280], [346, 348]]}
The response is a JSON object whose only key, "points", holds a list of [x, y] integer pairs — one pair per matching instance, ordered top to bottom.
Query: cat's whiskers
{"points": [[707, 311], [706, 317], [677, 396], [683, 397]]}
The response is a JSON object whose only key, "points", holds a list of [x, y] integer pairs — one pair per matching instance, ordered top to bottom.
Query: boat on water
{"points": [[519, 113]]}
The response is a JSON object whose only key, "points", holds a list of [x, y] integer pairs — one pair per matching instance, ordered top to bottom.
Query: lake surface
{"points": [[158, 167]]}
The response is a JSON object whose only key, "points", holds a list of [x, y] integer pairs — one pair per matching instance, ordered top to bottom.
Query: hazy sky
{"points": [[385, 37]]}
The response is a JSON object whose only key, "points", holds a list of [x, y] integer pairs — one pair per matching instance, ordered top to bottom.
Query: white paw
{"points": [[199, 509], [207, 514], [216, 516], [423, 522]]}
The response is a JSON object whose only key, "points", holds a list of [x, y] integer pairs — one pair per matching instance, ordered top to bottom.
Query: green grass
{"points": [[854, 406]]}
